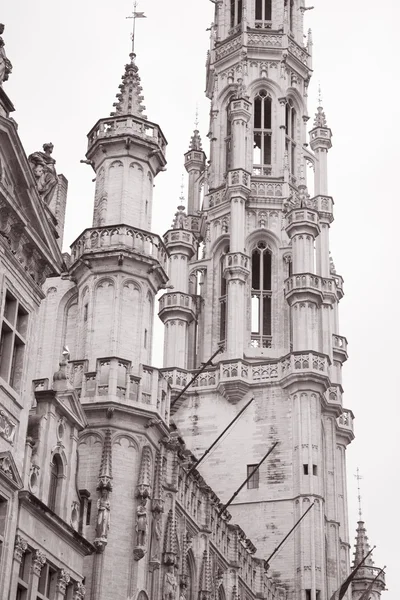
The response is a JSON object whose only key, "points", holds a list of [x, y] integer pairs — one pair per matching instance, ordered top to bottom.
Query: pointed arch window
{"points": [[289, 8], [263, 10], [236, 12], [262, 133], [290, 135], [228, 139], [261, 296], [223, 297], [55, 480]]}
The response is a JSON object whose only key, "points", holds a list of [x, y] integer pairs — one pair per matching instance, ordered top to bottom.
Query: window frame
{"points": [[262, 12], [262, 133], [290, 136], [14, 324], [262, 337], [254, 482]]}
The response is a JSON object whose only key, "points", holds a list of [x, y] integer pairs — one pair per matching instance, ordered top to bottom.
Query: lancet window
{"points": [[289, 9], [263, 10], [236, 12], [290, 131], [262, 133], [228, 139], [261, 296], [223, 298]]}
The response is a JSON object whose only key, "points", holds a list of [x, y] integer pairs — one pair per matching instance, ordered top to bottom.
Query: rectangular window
{"points": [[14, 328], [145, 338], [305, 469], [314, 470], [254, 481], [3, 521], [23, 576], [308, 594]]}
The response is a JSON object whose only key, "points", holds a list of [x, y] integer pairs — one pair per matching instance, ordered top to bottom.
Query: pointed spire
{"points": [[129, 98], [195, 140], [105, 475], [144, 480], [170, 545], [362, 546]]}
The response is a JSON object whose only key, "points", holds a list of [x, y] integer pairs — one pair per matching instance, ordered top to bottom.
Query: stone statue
{"points": [[5, 64], [42, 165], [103, 515], [141, 525], [156, 535], [170, 584]]}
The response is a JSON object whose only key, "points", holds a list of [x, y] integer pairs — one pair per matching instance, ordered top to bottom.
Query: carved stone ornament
{"points": [[5, 63], [42, 165], [7, 427], [103, 520], [141, 532], [156, 535], [20, 548], [38, 562], [63, 579], [79, 591]]}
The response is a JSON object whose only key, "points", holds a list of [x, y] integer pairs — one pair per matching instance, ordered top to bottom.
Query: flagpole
{"points": [[133, 28]]}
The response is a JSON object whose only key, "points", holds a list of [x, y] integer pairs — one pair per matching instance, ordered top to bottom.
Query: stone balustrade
{"points": [[298, 52], [127, 125], [238, 177], [302, 215], [180, 236], [120, 237], [236, 259], [310, 281], [175, 300], [339, 342], [294, 363], [346, 422]]}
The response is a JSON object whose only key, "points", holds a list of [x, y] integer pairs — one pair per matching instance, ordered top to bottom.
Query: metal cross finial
{"points": [[135, 15], [319, 95], [196, 121], [182, 197], [359, 477]]}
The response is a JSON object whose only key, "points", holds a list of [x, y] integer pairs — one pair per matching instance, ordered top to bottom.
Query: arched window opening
{"points": [[289, 9], [263, 11], [236, 12], [262, 134], [290, 138], [228, 139], [223, 297], [261, 297], [55, 478]]}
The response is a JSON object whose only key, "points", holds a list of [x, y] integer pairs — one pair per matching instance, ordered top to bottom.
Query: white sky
{"points": [[68, 58]]}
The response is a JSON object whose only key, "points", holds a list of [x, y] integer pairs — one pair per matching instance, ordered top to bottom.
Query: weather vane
{"points": [[135, 15], [319, 95], [196, 121], [359, 477]]}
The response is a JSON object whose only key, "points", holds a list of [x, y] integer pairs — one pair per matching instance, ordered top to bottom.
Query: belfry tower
{"points": [[257, 280]]}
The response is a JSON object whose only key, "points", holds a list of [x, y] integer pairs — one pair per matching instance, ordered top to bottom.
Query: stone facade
{"points": [[100, 492]]}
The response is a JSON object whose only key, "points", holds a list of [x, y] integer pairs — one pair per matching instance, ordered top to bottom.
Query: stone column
{"points": [[236, 272], [20, 548], [38, 561]]}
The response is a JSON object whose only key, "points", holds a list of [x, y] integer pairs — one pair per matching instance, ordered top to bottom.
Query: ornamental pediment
{"points": [[9, 472]]}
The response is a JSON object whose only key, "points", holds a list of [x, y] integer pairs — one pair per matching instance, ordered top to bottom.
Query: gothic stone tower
{"points": [[265, 290], [102, 311]]}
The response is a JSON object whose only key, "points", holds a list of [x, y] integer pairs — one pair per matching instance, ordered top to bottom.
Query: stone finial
{"points": [[5, 63], [129, 98], [320, 118], [195, 141], [44, 172], [179, 218], [157, 502]]}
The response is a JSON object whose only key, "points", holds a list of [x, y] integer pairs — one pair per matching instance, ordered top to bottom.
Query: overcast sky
{"points": [[68, 58]]}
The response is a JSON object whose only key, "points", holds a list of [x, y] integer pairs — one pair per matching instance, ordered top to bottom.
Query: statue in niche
{"points": [[5, 64], [42, 165], [103, 515], [141, 525], [156, 535], [170, 584]]}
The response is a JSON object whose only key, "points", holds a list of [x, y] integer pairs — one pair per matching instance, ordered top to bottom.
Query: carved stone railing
{"points": [[263, 24], [265, 39], [228, 46], [298, 52], [124, 125], [262, 171], [238, 177], [270, 188], [217, 196], [324, 204], [301, 214], [176, 236], [121, 237], [237, 259], [310, 281], [339, 284], [177, 300], [339, 342], [250, 373], [346, 422]]}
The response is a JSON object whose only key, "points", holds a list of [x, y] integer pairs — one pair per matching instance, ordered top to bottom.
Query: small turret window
{"points": [[263, 10], [236, 12], [290, 131], [262, 133], [261, 297], [55, 478]]}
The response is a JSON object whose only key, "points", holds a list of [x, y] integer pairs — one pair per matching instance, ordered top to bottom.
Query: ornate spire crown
{"points": [[129, 99], [320, 117]]}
